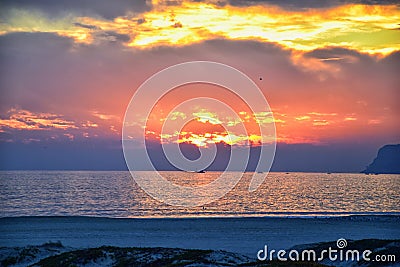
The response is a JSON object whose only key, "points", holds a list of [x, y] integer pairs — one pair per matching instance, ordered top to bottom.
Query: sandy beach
{"points": [[240, 235]]}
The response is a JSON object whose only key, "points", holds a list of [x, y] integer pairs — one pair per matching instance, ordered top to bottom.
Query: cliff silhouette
{"points": [[387, 161]]}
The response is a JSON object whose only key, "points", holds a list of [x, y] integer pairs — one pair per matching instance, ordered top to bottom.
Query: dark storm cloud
{"points": [[104, 8], [141, 21], [86, 26], [112, 36], [339, 54], [24, 58], [393, 59], [38, 70], [42, 70]]}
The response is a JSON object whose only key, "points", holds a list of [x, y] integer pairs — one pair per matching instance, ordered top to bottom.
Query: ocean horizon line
{"points": [[211, 171], [199, 216]]}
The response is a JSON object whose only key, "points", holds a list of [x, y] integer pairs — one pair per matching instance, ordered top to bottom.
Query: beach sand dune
{"points": [[55, 254]]}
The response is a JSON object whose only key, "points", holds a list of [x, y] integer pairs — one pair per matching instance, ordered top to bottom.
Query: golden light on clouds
{"points": [[371, 29], [205, 116], [18, 119], [27, 120], [208, 127], [310, 127], [202, 140]]}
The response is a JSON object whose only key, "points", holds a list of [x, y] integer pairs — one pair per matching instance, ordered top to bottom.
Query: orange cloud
{"points": [[103, 116], [350, 119], [26, 120], [50, 125]]}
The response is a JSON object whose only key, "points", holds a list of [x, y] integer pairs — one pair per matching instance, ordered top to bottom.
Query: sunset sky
{"points": [[329, 70]]}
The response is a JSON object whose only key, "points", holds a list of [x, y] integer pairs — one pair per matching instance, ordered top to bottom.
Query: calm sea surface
{"points": [[115, 194]]}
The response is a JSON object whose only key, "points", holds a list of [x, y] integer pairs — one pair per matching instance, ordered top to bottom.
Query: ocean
{"points": [[114, 194]]}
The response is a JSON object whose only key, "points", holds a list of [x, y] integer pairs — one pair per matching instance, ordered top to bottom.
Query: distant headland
{"points": [[387, 161]]}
